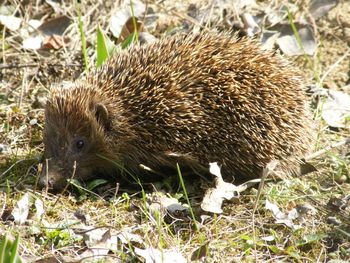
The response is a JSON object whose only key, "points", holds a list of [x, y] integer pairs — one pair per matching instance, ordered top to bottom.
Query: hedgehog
{"points": [[187, 99]]}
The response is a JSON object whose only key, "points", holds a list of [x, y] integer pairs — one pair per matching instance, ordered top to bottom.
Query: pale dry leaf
{"points": [[244, 3], [55, 5], [319, 8], [122, 14], [274, 16], [11, 22], [33, 24], [250, 25], [55, 26], [29, 28], [33, 42], [289, 45], [336, 108], [4, 149], [214, 197], [162, 204], [39, 207], [21, 210], [283, 218], [95, 235], [126, 237], [268, 238], [100, 241], [153, 255]]}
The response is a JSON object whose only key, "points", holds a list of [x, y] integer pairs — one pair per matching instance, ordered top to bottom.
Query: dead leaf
{"points": [[245, 3], [56, 6], [319, 8], [122, 14], [274, 16], [11, 22], [33, 24], [56, 26], [250, 26], [128, 28], [268, 39], [32, 42], [54, 42], [289, 45], [336, 108], [4, 148], [214, 197], [163, 204], [39, 208], [21, 210], [284, 218], [126, 237], [268, 238], [99, 242], [200, 252], [153, 255]]}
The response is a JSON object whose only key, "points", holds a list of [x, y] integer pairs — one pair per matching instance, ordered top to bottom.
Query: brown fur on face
{"points": [[195, 99]]}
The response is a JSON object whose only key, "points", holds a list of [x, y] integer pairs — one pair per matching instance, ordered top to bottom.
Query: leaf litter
{"points": [[133, 231]]}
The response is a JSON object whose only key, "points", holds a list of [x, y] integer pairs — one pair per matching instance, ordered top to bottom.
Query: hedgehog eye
{"points": [[79, 144]]}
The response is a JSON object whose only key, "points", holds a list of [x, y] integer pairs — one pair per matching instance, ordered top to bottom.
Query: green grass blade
{"points": [[136, 35], [129, 40], [83, 42], [300, 43], [105, 47], [102, 52], [95, 183], [186, 196], [4, 244], [14, 251]]}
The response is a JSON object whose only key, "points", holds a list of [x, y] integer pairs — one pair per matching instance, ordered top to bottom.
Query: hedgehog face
{"points": [[74, 138]]}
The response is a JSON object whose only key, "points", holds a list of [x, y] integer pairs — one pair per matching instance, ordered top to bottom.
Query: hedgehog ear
{"points": [[102, 115]]}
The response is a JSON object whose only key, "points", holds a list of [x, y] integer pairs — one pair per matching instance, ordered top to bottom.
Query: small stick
{"points": [[10, 66], [331, 68], [326, 149], [39, 171], [266, 171], [47, 176], [116, 191]]}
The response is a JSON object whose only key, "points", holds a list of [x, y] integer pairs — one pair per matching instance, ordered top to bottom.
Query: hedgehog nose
{"points": [[45, 182], [50, 184]]}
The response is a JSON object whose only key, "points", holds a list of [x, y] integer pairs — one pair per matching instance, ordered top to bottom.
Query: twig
{"points": [[181, 15], [33, 65], [331, 68], [327, 149], [266, 171], [39, 172], [47, 176], [116, 191]]}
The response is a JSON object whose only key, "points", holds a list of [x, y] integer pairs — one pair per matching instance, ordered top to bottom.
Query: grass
{"points": [[227, 237]]}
